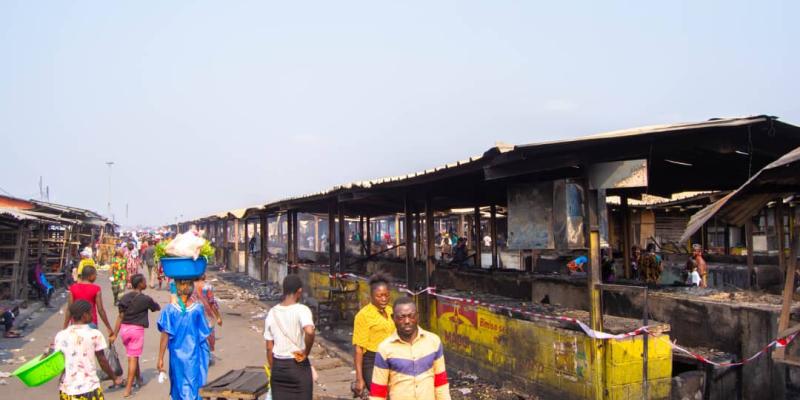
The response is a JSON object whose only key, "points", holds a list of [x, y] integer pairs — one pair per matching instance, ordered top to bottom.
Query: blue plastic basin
{"points": [[183, 267]]}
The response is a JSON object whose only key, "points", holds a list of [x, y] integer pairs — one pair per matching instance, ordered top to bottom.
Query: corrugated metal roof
{"points": [[651, 129], [501, 148], [777, 179], [371, 183], [649, 200], [67, 209], [15, 214], [23, 215]]}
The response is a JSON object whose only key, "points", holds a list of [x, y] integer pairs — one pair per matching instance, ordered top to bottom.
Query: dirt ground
{"points": [[244, 303]]}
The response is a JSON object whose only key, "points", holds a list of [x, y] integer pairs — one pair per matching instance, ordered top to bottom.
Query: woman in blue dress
{"points": [[184, 331]]}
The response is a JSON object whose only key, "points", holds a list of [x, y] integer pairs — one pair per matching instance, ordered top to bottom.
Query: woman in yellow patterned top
{"points": [[86, 260], [119, 275], [372, 325]]}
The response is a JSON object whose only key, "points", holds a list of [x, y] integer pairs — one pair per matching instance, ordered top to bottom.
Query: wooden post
{"points": [[477, 224], [469, 233], [316, 234], [779, 234], [361, 235], [396, 235], [493, 235], [626, 235], [295, 236], [369, 236], [592, 236], [332, 237], [417, 237], [748, 237], [289, 238], [409, 238], [342, 239], [727, 241], [225, 243], [65, 244], [41, 247], [25, 252], [235, 256], [594, 258], [263, 260], [430, 261], [16, 271], [788, 291]]}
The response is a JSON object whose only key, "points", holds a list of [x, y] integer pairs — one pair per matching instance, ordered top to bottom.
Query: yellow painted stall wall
{"points": [[556, 358]]}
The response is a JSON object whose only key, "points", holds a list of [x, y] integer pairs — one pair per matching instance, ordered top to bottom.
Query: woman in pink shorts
{"points": [[131, 323]]}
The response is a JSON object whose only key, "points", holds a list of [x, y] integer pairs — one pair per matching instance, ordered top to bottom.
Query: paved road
{"points": [[239, 343]]}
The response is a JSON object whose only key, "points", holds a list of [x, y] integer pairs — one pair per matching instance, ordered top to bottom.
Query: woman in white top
{"points": [[289, 336]]}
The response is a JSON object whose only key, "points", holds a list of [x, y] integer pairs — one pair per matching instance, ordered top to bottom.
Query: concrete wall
{"points": [[508, 284], [740, 329], [528, 355]]}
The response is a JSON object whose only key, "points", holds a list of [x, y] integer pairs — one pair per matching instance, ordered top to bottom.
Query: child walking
{"points": [[204, 294], [130, 326], [81, 345]]}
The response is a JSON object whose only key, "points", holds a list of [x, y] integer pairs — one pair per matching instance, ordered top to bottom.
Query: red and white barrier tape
{"points": [[586, 329], [780, 342]]}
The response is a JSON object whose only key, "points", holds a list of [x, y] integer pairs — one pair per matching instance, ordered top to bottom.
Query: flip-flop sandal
{"points": [[12, 335], [120, 386], [129, 396]]}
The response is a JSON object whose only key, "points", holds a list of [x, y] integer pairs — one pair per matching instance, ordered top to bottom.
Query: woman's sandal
{"points": [[120, 386]]}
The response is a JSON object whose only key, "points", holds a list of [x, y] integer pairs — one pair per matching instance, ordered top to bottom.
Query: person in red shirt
{"points": [[86, 290]]}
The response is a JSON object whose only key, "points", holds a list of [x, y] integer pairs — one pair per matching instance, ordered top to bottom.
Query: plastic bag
{"points": [[186, 244], [113, 362]]}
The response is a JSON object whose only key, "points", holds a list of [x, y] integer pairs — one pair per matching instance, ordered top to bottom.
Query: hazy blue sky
{"points": [[208, 106]]}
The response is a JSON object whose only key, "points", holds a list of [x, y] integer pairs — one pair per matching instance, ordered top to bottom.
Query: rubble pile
{"points": [[251, 289], [465, 386]]}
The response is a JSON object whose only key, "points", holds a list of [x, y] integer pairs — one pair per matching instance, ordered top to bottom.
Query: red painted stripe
{"points": [[440, 379], [377, 390]]}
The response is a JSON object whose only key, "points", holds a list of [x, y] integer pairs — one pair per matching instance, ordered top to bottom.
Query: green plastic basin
{"points": [[40, 370]]}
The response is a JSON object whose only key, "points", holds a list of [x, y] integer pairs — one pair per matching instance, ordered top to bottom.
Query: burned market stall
{"points": [[500, 235]]}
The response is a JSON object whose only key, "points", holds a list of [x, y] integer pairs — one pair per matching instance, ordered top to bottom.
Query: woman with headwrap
{"points": [[86, 259], [184, 332]]}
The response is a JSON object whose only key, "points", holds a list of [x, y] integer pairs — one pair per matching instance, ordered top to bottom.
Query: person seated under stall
{"points": [[636, 252], [460, 255], [577, 265], [651, 265], [609, 275], [693, 277], [38, 282], [7, 316]]}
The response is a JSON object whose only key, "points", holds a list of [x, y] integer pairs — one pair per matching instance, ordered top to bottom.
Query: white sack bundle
{"points": [[186, 244]]}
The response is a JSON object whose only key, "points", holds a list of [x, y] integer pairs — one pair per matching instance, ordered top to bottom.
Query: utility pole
{"points": [[109, 163]]}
